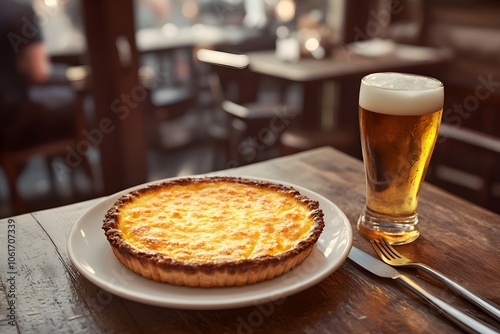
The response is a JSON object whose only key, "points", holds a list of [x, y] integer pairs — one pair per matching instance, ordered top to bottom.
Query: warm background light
{"points": [[51, 3], [190, 9], [285, 10], [169, 29], [312, 44]]}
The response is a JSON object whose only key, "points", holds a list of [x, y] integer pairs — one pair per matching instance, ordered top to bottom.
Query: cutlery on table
{"points": [[392, 257], [380, 269]]}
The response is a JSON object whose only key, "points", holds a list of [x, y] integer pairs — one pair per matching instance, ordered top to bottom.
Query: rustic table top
{"points": [[345, 62], [42, 292]]}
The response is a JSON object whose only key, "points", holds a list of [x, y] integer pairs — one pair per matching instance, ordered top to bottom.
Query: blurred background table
{"points": [[349, 64], [51, 296]]}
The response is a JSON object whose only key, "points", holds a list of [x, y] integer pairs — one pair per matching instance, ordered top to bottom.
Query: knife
{"points": [[381, 269]]}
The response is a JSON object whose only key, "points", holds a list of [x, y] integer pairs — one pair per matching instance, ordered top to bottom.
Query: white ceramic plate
{"points": [[375, 47], [91, 254]]}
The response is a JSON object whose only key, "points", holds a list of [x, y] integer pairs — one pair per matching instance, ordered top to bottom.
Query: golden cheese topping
{"points": [[214, 222]]}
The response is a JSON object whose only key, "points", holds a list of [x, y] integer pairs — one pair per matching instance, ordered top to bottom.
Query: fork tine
{"points": [[389, 249], [381, 252], [390, 256]]}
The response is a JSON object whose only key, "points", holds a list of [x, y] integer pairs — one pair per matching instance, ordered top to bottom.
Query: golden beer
{"points": [[399, 122]]}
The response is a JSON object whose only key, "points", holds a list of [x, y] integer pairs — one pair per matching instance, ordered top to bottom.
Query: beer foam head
{"points": [[401, 94]]}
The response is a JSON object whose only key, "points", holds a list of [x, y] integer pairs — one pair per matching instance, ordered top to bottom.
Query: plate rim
{"points": [[129, 294]]}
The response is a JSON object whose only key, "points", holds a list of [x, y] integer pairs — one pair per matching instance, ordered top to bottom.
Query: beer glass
{"points": [[399, 117]]}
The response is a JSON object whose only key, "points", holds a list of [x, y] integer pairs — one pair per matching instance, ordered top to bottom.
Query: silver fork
{"points": [[390, 256]]}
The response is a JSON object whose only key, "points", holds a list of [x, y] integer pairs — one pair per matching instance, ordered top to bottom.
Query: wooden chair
{"points": [[170, 97], [52, 126], [249, 128], [467, 163]]}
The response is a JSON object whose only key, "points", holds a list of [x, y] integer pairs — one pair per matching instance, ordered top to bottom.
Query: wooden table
{"points": [[344, 64], [457, 237]]}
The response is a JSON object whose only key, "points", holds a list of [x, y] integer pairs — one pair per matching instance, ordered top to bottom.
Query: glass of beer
{"points": [[399, 117]]}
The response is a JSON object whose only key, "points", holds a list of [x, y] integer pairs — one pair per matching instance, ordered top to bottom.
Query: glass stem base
{"points": [[396, 230]]}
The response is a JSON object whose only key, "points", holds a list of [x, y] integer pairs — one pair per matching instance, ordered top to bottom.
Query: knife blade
{"points": [[381, 269]]}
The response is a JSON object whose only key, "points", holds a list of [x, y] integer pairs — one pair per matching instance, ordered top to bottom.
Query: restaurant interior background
{"points": [[138, 94]]}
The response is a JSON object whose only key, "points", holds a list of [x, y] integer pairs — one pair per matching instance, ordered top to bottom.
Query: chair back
{"points": [[467, 163]]}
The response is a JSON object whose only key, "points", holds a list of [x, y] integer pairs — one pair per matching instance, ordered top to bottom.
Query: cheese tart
{"points": [[213, 231]]}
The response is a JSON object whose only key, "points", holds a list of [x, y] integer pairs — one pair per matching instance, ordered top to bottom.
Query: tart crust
{"points": [[152, 264]]}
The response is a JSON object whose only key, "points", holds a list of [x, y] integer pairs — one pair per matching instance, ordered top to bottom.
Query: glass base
{"points": [[396, 230]]}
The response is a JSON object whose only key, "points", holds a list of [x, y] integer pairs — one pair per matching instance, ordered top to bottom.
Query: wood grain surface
{"points": [[457, 238]]}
